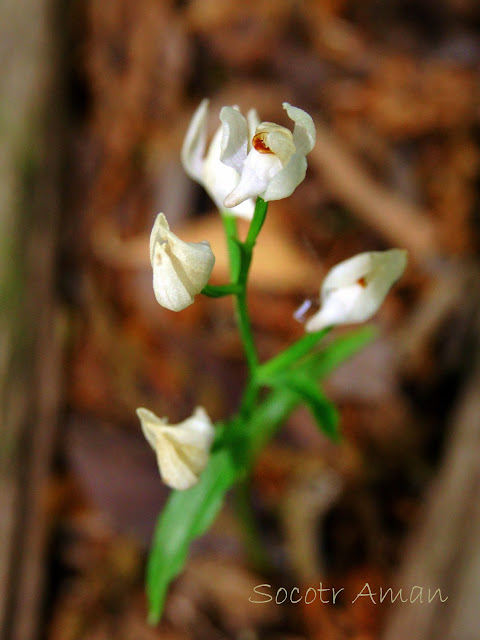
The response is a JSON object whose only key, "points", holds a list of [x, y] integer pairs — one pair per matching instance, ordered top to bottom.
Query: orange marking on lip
{"points": [[259, 145], [362, 282]]}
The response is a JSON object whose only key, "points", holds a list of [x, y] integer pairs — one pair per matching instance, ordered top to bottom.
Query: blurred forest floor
{"points": [[394, 88]]}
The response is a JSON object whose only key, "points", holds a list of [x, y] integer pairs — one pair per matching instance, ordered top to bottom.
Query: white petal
{"points": [[253, 121], [304, 133], [234, 138], [279, 140], [194, 144], [258, 170], [216, 177], [219, 180], [287, 180], [243, 210], [160, 233], [194, 262], [381, 267], [180, 269], [347, 272], [170, 291], [338, 308], [199, 422], [150, 424], [196, 430], [193, 438], [175, 471]]}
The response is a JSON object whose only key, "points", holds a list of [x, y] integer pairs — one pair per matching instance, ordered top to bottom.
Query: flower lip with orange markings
{"points": [[259, 144], [271, 162]]}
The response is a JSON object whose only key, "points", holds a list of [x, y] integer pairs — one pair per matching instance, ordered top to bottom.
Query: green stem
{"points": [[256, 225], [233, 248], [240, 254], [240, 261], [239, 267], [243, 317], [246, 334], [249, 398], [253, 544]]}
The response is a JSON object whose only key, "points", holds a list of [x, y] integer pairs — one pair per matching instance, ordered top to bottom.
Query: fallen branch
{"points": [[444, 551]]}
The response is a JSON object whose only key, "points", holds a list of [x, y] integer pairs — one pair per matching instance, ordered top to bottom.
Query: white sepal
{"points": [[195, 142], [204, 165], [180, 269], [354, 289], [183, 449]]}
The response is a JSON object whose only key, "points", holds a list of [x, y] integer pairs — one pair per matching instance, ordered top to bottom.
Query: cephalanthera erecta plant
{"points": [[247, 164]]}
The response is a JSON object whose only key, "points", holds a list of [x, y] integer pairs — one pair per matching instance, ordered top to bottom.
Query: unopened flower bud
{"points": [[180, 269], [354, 289], [182, 449]]}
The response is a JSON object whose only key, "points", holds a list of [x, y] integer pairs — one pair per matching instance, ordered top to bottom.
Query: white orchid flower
{"points": [[272, 162], [205, 168], [180, 269], [354, 289], [182, 449]]}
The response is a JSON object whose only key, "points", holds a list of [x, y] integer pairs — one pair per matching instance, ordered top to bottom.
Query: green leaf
{"points": [[291, 355], [321, 364], [322, 409], [266, 418], [186, 516]]}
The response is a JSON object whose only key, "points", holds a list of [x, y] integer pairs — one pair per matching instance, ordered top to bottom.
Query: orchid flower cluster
{"points": [[247, 164]]}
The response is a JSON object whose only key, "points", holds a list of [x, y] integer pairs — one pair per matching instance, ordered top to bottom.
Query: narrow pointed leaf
{"points": [[291, 355], [321, 364], [186, 516]]}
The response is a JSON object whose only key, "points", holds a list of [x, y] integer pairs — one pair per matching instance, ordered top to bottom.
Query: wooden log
{"points": [[29, 349]]}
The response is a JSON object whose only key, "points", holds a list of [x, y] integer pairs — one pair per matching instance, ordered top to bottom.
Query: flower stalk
{"points": [[240, 254], [240, 261], [255, 549]]}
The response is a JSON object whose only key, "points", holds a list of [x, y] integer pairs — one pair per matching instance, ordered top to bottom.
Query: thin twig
{"points": [[400, 222]]}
